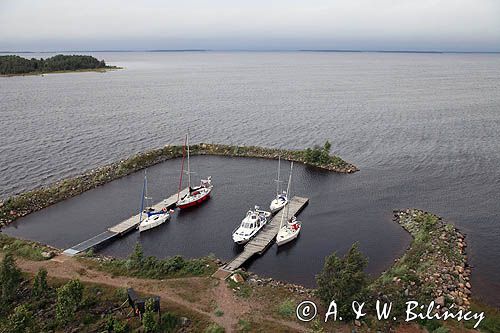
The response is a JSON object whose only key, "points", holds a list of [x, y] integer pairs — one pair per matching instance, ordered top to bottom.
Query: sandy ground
{"points": [[212, 293]]}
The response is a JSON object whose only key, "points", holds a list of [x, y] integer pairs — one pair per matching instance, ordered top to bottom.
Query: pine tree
{"points": [[10, 278], [343, 280], [40, 286], [69, 298], [148, 318]]}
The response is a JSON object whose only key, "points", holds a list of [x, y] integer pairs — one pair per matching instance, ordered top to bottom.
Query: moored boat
{"points": [[196, 195], [281, 196], [154, 217], [253, 222], [290, 229]]}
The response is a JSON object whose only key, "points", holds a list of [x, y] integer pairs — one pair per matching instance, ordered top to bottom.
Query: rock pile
{"points": [[436, 262]]}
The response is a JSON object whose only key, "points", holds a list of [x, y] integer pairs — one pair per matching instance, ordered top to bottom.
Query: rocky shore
{"points": [[34, 200], [434, 268]]}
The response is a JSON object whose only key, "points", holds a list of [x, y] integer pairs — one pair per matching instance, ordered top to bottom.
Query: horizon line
{"points": [[259, 50]]}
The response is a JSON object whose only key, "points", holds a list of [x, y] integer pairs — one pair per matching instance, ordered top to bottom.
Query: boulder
{"points": [[237, 278], [439, 301]]}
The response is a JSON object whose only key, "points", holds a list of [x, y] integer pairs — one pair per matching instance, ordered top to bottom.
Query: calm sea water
{"points": [[423, 128]]}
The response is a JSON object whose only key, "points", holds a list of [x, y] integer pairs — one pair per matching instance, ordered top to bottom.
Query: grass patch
{"points": [[24, 249], [153, 268], [242, 290], [286, 309], [491, 322], [244, 326], [214, 328]]}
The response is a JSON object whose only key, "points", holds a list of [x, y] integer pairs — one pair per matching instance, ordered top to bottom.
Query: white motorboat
{"points": [[198, 194], [281, 196], [154, 218], [253, 222], [289, 230]]}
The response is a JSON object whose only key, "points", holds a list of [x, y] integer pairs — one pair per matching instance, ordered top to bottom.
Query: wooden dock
{"points": [[120, 229], [265, 238]]}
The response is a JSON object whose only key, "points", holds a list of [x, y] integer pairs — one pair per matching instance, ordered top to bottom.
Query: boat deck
{"points": [[120, 229], [260, 243]]}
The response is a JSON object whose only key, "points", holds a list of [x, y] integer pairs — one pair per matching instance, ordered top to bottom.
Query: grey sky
{"points": [[459, 25]]}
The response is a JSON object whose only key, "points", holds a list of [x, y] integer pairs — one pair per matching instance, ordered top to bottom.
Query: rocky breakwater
{"points": [[307, 156], [25, 203], [434, 268]]}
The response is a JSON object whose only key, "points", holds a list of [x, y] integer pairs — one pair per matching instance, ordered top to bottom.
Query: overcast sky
{"points": [[449, 25]]}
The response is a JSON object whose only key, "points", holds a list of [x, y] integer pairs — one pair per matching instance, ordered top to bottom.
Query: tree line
{"points": [[13, 64]]}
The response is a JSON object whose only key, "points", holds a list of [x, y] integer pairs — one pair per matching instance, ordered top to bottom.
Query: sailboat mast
{"points": [[182, 168], [189, 169], [278, 180], [143, 195], [289, 197]]}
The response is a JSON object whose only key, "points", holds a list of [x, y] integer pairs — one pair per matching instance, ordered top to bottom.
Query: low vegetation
{"points": [[15, 65], [25, 249], [137, 265], [39, 306]]}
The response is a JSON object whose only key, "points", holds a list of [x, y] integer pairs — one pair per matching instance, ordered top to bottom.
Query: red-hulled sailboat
{"points": [[198, 194]]}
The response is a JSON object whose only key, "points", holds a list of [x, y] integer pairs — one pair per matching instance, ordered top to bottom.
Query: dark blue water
{"points": [[423, 128]]}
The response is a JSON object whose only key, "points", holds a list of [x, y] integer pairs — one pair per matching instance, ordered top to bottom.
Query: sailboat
{"points": [[198, 194], [281, 197], [153, 218], [255, 220], [291, 228]]}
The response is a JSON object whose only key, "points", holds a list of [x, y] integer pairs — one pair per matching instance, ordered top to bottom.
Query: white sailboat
{"points": [[198, 194], [281, 196], [153, 218], [253, 222], [291, 228]]}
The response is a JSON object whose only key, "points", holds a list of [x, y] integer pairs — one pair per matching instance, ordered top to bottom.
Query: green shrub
{"points": [[10, 278], [343, 280], [40, 286], [69, 297], [286, 309], [148, 318], [20, 321], [169, 323], [244, 326], [214, 328]]}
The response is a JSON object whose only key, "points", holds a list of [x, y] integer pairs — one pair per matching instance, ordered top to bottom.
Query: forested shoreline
{"points": [[16, 65]]}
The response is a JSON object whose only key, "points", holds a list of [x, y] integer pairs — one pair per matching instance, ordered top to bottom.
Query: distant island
{"points": [[15, 65]]}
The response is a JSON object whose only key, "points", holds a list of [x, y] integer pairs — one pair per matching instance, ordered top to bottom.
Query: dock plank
{"points": [[121, 228], [260, 243]]}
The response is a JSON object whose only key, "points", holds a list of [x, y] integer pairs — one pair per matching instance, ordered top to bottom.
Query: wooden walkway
{"points": [[120, 229], [260, 243]]}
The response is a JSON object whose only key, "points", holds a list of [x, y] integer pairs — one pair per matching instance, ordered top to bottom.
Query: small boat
{"points": [[198, 194], [281, 196], [153, 218], [253, 222], [291, 228], [289, 231]]}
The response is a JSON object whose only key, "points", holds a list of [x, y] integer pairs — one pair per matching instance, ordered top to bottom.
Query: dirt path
{"points": [[234, 308]]}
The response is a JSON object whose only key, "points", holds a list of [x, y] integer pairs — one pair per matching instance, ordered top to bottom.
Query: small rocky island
{"points": [[11, 65]]}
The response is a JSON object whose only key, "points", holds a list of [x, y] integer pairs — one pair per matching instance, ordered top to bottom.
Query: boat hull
{"points": [[196, 202], [147, 225], [286, 236]]}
